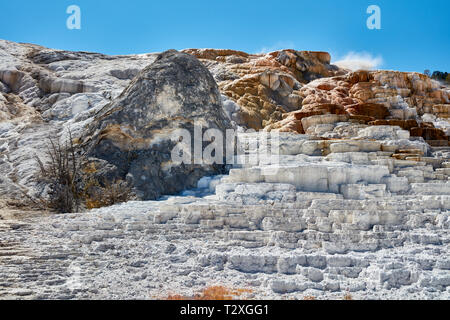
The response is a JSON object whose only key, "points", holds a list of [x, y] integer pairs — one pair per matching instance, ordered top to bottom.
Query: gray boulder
{"points": [[3, 88], [133, 133]]}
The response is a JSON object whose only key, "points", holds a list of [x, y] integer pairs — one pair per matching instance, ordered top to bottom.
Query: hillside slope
{"points": [[353, 197]]}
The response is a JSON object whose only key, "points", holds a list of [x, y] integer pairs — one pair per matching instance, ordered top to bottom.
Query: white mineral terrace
{"points": [[325, 218]]}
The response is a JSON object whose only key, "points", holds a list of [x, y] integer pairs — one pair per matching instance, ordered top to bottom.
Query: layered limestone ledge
{"points": [[312, 177], [431, 188]]}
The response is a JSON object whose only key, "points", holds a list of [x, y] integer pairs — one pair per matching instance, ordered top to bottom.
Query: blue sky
{"points": [[414, 34]]}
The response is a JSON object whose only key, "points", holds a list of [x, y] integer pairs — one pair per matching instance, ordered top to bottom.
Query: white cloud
{"points": [[280, 45], [359, 60]]}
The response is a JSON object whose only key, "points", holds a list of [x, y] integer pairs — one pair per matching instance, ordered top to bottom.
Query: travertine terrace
{"points": [[355, 201]]}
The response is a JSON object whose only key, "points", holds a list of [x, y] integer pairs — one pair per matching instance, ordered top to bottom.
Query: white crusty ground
{"points": [[264, 228], [148, 250]]}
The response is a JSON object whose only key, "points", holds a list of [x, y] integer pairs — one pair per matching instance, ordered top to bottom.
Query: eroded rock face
{"points": [[265, 85], [54, 90], [43, 92], [409, 100], [133, 133], [360, 203], [360, 220]]}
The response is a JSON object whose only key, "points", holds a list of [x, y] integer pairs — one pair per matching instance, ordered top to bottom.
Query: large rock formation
{"points": [[265, 85], [275, 91], [42, 93], [411, 101], [133, 133], [354, 198], [327, 218]]}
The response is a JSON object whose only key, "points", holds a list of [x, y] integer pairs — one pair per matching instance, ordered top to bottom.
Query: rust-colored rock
{"points": [[213, 54], [359, 76], [265, 86], [276, 90], [326, 91], [380, 94], [325, 108], [375, 110], [441, 110], [361, 119], [292, 121], [289, 124], [404, 124], [429, 133]]}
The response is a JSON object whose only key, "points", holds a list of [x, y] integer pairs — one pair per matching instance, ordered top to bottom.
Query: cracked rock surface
{"points": [[355, 201], [381, 237]]}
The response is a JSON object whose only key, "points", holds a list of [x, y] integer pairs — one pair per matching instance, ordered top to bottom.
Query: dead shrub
{"points": [[60, 171], [72, 184]]}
